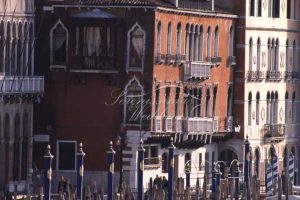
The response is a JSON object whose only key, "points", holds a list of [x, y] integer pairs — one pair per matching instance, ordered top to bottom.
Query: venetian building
{"points": [[266, 81], [19, 89]]}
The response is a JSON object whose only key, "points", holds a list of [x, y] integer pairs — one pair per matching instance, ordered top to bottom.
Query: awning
{"points": [[94, 14]]}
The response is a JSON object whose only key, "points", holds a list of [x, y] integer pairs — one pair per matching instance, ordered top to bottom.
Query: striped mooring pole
{"points": [[140, 166], [246, 166], [111, 168], [291, 168], [80, 170], [171, 170], [275, 171], [48, 173], [268, 179]]}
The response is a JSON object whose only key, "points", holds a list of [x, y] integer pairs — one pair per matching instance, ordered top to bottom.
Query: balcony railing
{"points": [[159, 58], [170, 58], [179, 59], [216, 60], [232, 60], [101, 62], [197, 70], [291, 75], [255, 76], [273, 76], [22, 84], [229, 123], [198, 125], [274, 130], [153, 162]]}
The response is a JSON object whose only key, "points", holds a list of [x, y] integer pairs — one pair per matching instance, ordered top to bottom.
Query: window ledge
{"points": [[58, 67], [94, 71]]}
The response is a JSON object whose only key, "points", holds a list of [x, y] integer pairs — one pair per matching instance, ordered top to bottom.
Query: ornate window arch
{"points": [[59, 37], [158, 38], [178, 39], [136, 41], [216, 41], [201, 43], [208, 43], [250, 54], [133, 104]]}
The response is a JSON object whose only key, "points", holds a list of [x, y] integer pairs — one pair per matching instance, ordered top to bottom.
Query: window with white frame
{"points": [[259, 8], [158, 39], [59, 40], [178, 42], [216, 42], [136, 48], [133, 102], [66, 155], [151, 155]]}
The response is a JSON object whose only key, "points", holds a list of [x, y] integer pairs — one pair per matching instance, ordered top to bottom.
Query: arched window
{"points": [[259, 5], [252, 7], [274, 8], [288, 9], [295, 9], [158, 39], [169, 39], [59, 40], [231, 41], [216, 42], [187, 43], [196, 43], [201, 43], [208, 43], [191, 45], [178, 46], [2, 47], [7, 47], [136, 47], [19, 49], [25, 49], [31, 49], [14, 50], [250, 54], [269, 55], [273, 55], [294, 55], [287, 56], [276, 59], [258, 63], [157, 92], [195, 99], [214, 100], [133, 101], [167, 101], [177, 101], [229, 101], [186, 102], [199, 103], [286, 105], [249, 108], [257, 108], [268, 108], [294, 108], [207, 110], [275, 121], [26, 135], [16, 157], [164, 158]]}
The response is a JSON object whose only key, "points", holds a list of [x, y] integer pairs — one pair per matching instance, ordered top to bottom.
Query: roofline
{"points": [[160, 8], [203, 13]]}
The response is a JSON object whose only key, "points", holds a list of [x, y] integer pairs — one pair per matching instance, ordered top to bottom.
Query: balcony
{"points": [[159, 59], [170, 59], [179, 59], [208, 59], [216, 60], [231, 60], [93, 64], [197, 70], [291, 75], [251, 76], [255, 76], [273, 76], [22, 84], [229, 123], [198, 125], [274, 132], [150, 163]]}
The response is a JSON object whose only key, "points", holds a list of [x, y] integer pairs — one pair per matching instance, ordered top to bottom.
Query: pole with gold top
{"points": [[110, 160], [140, 166], [80, 169], [171, 170], [48, 173]]}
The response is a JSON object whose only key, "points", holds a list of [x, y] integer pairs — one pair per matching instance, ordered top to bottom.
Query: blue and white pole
{"points": [[110, 160], [140, 166], [246, 166], [80, 169], [171, 170], [48, 173]]}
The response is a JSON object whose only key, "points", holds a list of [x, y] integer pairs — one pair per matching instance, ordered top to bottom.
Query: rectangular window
{"points": [[157, 100], [167, 101], [177, 101], [66, 151]]}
